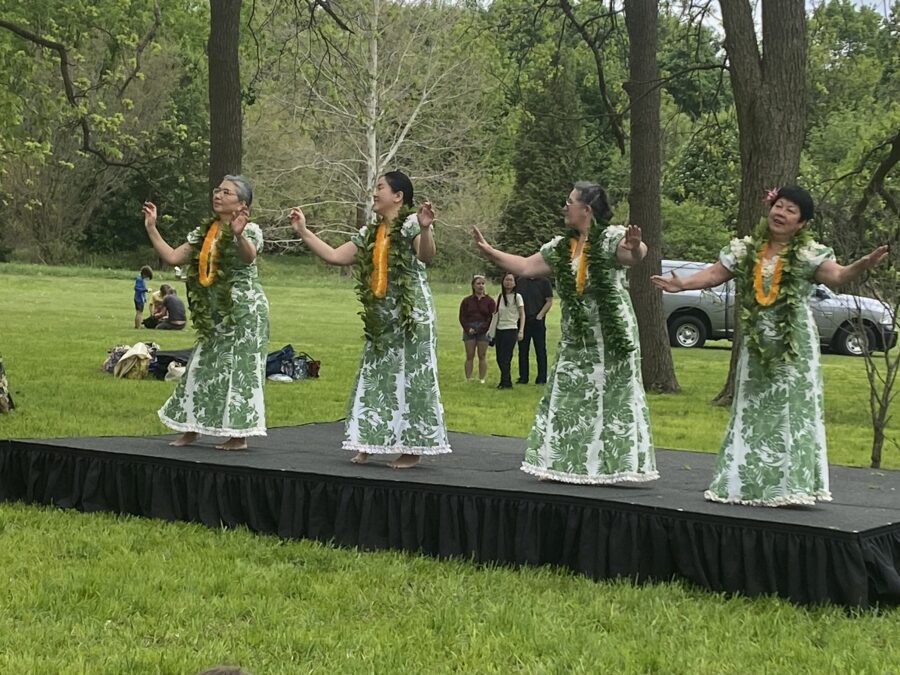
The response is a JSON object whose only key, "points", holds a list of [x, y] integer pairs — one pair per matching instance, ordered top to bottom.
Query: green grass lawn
{"points": [[106, 594]]}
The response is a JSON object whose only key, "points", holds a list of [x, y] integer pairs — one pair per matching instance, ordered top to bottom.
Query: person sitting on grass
{"points": [[157, 308], [175, 316]]}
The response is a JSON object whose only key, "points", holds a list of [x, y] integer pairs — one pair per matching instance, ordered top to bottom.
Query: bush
{"points": [[692, 231]]}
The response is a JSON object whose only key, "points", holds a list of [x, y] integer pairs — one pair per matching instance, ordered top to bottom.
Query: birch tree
{"points": [[399, 87]]}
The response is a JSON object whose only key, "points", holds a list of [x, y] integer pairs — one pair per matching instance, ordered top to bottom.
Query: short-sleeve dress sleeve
{"points": [[411, 227], [253, 232], [196, 235], [612, 235], [359, 238], [548, 252], [735, 252], [814, 254], [728, 258]]}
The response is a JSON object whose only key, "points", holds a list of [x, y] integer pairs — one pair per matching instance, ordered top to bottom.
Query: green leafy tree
{"points": [[547, 155]]}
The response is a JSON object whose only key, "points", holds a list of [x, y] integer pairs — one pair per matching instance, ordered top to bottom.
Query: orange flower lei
{"points": [[207, 266], [581, 271], [378, 280], [766, 299]]}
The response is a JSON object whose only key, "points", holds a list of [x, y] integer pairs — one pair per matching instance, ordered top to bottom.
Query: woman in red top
{"points": [[475, 312]]}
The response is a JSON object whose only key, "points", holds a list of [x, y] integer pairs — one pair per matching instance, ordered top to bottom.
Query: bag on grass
{"points": [[113, 354], [163, 359], [274, 360], [134, 363], [300, 367]]}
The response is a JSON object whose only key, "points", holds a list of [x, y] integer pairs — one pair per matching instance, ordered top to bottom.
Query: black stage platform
{"points": [[476, 503]]}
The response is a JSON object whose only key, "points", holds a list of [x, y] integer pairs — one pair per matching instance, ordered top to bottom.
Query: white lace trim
{"points": [[210, 431], [396, 449], [581, 479], [795, 499]]}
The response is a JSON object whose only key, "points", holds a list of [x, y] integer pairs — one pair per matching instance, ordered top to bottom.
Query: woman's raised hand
{"points": [[425, 214], [149, 215], [239, 220], [298, 220], [632, 240], [480, 241], [875, 256], [669, 283]]}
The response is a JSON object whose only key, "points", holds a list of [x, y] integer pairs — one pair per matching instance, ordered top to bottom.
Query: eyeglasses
{"points": [[224, 191], [571, 202]]}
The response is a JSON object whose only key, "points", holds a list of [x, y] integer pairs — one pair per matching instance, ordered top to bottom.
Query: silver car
{"points": [[693, 317]]}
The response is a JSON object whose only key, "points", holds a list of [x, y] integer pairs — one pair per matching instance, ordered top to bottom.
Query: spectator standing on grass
{"points": [[140, 293], [538, 296], [475, 312], [510, 324]]}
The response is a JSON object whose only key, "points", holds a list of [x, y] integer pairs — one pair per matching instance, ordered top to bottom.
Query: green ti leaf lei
{"points": [[599, 285], [212, 308], [785, 309], [375, 312]]}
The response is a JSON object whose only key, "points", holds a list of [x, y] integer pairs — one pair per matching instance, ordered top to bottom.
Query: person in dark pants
{"points": [[538, 296], [510, 324]]}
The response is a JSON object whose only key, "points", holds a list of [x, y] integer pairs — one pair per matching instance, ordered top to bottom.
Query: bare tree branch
{"points": [[149, 36], [593, 43], [876, 183]]}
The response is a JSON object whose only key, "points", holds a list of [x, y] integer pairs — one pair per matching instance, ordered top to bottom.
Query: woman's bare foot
{"points": [[185, 439], [233, 444], [361, 458], [405, 462]]}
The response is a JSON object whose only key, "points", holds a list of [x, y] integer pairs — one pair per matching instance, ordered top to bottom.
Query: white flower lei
{"points": [[739, 247]]}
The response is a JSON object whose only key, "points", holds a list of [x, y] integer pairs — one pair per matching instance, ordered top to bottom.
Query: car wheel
{"points": [[687, 331], [849, 342]]}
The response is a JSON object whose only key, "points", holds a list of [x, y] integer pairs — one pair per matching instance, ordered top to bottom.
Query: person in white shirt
{"points": [[510, 327]]}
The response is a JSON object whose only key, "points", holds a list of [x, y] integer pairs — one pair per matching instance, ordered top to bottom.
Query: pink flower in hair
{"points": [[771, 195]]}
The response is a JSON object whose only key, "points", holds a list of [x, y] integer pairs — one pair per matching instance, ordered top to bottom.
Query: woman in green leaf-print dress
{"points": [[221, 391], [395, 403], [592, 424], [774, 452]]}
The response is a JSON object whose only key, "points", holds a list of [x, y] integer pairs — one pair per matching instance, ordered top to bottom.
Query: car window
{"points": [[822, 292]]}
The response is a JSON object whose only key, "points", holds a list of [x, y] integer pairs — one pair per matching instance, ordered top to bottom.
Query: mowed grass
{"points": [[57, 323], [98, 593]]}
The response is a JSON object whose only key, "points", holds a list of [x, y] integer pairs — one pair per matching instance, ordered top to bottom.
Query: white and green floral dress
{"points": [[221, 391], [395, 404], [592, 424], [774, 452]]}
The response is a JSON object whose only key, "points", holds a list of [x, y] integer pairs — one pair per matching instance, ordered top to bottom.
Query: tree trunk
{"points": [[769, 84], [225, 145], [644, 199], [877, 445]]}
